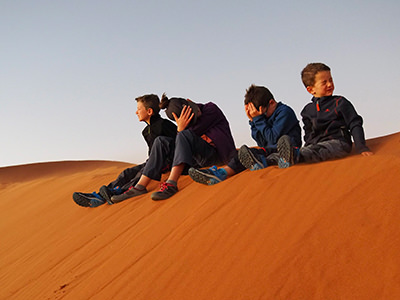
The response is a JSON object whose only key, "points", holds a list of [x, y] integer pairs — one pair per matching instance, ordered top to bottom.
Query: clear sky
{"points": [[70, 70]]}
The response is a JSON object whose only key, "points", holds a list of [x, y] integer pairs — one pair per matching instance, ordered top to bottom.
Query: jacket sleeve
{"points": [[354, 124], [308, 126], [267, 134]]}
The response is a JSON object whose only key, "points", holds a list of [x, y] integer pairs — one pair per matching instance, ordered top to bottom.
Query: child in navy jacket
{"points": [[329, 122]]}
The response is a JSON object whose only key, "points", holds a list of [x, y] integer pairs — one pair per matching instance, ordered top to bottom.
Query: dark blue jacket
{"points": [[333, 117], [267, 130]]}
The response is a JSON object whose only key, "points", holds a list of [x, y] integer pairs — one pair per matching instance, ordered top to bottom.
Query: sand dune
{"points": [[322, 231]]}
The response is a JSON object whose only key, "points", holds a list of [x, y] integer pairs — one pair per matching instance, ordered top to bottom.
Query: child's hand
{"points": [[246, 109], [252, 111], [184, 119], [367, 153]]}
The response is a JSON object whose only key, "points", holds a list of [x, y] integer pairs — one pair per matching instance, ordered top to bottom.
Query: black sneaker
{"points": [[285, 150], [250, 160], [209, 176], [166, 191], [132, 192], [88, 199]]}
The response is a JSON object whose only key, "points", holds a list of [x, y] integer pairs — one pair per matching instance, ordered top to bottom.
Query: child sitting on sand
{"points": [[268, 120], [329, 123], [158, 131], [204, 138]]}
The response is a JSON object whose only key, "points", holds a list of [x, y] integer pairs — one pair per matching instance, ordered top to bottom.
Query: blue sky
{"points": [[70, 70]]}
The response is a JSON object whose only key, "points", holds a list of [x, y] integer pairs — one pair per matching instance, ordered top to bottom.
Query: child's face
{"points": [[323, 85], [142, 113]]}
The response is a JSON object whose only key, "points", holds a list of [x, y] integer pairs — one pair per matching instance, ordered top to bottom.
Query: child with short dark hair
{"points": [[268, 121], [329, 123], [157, 131]]}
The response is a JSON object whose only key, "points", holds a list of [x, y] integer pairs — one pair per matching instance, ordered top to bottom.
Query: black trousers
{"points": [[193, 151], [322, 151], [159, 162], [127, 178]]}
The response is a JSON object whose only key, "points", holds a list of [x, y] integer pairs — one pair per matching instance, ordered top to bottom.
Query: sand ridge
{"points": [[321, 231]]}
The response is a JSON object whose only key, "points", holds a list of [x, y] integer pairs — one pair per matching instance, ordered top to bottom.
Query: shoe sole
{"points": [[285, 151], [248, 160], [203, 178], [157, 196], [80, 200], [85, 202]]}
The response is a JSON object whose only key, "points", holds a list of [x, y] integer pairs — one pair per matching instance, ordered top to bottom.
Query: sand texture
{"points": [[322, 231]]}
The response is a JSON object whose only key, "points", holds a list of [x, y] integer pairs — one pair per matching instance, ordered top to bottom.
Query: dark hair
{"points": [[310, 71], [258, 95], [150, 101], [164, 101], [175, 105]]}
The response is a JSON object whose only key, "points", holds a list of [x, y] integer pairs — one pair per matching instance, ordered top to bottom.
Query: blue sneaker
{"points": [[251, 160], [209, 176], [88, 199]]}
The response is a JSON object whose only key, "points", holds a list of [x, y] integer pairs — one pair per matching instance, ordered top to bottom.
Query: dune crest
{"points": [[321, 231]]}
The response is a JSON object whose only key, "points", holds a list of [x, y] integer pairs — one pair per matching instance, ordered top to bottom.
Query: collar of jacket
{"points": [[154, 118]]}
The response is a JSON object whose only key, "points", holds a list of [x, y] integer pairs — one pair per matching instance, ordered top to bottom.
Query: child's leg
{"points": [[190, 149], [161, 151], [323, 151], [253, 158], [234, 166], [176, 172], [126, 178], [143, 181]]}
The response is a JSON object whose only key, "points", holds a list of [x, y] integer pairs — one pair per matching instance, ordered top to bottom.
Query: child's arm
{"points": [[184, 119], [354, 123], [308, 127], [267, 134]]}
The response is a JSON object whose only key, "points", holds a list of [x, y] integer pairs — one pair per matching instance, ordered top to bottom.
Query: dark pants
{"points": [[193, 151], [324, 151], [270, 155], [160, 158], [159, 162], [127, 178]]}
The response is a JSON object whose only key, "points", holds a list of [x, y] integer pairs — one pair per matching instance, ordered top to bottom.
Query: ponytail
{"points": [[164, 101]]}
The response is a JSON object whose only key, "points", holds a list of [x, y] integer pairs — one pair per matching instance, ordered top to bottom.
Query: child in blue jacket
{"points": [[268, 120]]}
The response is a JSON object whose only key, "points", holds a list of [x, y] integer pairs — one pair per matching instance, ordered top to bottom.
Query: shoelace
{"points": [[164, 186], [132, 187]]}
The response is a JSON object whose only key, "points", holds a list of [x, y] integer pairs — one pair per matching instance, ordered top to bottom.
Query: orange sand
{"points": [[324, 231]]}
